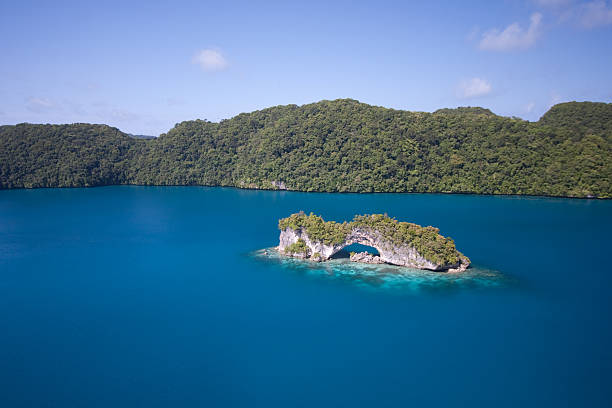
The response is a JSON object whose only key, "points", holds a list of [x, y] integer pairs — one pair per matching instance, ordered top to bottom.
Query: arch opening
{"points": [[346, 251]]}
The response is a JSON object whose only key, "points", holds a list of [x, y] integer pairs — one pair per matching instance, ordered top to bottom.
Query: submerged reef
{"points": [[398, 243]]}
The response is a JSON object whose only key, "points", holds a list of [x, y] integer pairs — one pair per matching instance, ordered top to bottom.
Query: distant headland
{"points": [[331, 146], [398, 243]]}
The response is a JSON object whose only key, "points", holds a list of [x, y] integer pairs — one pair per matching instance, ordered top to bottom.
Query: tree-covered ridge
{"points": [[474, 110], [580, 118], [333, 146], [77, 155], [426, 240]]}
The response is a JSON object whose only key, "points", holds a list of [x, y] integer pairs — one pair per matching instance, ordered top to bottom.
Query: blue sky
{"points": [[144, 66]]}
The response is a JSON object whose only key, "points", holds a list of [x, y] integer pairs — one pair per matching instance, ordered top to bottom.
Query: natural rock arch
{"points": [[296, 241], [353, 249]]}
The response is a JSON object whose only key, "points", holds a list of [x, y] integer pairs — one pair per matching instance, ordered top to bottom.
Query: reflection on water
{"points": [[388, 277]]}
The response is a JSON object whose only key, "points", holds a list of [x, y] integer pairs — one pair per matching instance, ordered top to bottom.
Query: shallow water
{"points": [[388, 279], [160, 296]]}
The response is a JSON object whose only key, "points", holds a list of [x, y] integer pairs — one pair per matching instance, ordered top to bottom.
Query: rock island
{"points": [[398, 243]]}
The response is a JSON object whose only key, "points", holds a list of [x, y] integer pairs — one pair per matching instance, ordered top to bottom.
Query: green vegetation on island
{"points": [[331, 146], [328, 232], [426, 240], [298, 247]]}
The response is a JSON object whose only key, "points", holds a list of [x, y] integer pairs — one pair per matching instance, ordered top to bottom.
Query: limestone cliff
{"points": [[398, 243]]}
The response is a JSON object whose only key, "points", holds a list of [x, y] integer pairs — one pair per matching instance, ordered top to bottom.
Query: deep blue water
{"points": [[153, 296]]}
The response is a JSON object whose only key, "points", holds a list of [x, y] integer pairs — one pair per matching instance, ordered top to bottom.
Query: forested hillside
{"points": [[340, 145], [64, 155]]}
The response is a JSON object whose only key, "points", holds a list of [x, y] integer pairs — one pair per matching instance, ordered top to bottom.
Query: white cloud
{"points": [[586, 14], [595, 14], [512, 37], [210, 60], [473, 88], [39, 105]]}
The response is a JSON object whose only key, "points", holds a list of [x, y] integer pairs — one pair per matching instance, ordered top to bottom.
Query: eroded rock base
{"points": [[366, 257]]}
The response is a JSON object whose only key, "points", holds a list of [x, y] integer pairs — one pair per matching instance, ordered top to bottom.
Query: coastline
{"points": [[517, 195]]}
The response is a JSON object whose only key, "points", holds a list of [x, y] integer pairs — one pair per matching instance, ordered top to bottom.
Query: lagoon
{"points": [[159, 296]]}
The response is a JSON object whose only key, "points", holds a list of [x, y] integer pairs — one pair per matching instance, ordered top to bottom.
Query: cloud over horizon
{"points": [[586, 14], [595, 14], [512, 37], [210, 60], [473, 88], [39, 105]]}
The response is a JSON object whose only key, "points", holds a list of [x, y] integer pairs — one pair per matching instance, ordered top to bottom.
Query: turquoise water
{"points": [[388, 279], [162, 296]]}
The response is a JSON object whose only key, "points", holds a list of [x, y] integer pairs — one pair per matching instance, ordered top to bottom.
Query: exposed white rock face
{"points": [[280, 185], [291, 236], [389, 252], [402, 255], [366, 258], [462, 267]]}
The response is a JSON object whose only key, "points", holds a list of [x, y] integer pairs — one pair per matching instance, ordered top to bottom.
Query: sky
{"points": [[145, 66]]}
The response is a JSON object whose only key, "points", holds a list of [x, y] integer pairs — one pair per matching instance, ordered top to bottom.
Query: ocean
{"points": [[131, 296]]}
